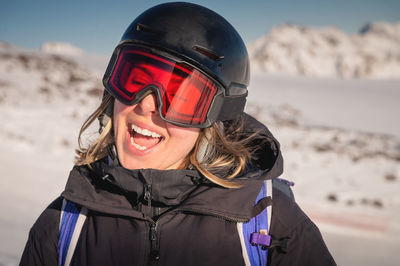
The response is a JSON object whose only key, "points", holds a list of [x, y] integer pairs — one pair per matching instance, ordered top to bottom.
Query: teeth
{"points": [[145, 132], [142, 148]]}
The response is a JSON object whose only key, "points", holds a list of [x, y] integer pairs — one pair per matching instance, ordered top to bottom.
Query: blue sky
{"points": [[96, 26]]}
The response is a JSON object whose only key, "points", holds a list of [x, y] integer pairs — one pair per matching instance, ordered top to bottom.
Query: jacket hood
{"points": [[268, 158], [116, 190]]}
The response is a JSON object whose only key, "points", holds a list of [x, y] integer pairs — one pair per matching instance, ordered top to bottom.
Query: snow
{"points": [[354, 104], [340, 141]]}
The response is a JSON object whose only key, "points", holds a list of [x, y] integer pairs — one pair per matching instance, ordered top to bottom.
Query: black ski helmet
{"points": [[200, 37]]}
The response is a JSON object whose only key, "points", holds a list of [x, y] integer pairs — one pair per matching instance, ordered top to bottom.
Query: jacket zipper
{"points": [[153, 234], [154, 251], [154, 256]]}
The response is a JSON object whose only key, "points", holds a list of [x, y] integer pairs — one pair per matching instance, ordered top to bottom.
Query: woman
{"points": [[177, 174]]}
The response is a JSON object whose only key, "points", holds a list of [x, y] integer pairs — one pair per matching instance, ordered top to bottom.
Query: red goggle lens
{"points": [[186, 93]]}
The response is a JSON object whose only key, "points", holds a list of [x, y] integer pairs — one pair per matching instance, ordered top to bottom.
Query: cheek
{"points": [[118, 109], [118, 115], [184, 137]]}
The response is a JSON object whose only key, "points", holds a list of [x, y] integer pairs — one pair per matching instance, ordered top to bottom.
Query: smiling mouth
{"points": [[143, 139]]}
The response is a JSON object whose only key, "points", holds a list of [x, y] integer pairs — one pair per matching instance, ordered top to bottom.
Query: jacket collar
{"points": [[113, 189], [119, 190]]}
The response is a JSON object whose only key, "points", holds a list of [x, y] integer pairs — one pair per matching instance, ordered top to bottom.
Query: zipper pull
{"points": [[147, 194], [153, 231]]}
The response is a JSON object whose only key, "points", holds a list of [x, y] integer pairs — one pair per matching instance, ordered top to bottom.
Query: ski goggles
{"points": [[185, 96]]}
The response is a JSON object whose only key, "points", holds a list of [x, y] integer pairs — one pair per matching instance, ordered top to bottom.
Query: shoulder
{"points": [[286, 213], [49, 220], [305, 245], [41, 247]]}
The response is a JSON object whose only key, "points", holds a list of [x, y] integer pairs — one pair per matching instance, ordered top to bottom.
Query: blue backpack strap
{"points": [[71, 222], [254, 235]]}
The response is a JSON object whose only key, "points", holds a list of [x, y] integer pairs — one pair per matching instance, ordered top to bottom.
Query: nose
{"points": [[148, 104]]}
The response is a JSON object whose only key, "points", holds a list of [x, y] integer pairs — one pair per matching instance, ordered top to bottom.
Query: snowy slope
{"points": [[329, 52], [340, 141]]}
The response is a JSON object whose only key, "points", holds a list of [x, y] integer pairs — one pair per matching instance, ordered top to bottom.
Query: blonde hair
{"points": [[98, 148], [225, 151]]}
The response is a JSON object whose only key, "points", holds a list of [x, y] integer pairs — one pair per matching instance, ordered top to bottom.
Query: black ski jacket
{"points": [[174, 217]]}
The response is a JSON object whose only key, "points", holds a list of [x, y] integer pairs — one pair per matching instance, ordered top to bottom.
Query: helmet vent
{"points": [[144, 28], [207, 52]]}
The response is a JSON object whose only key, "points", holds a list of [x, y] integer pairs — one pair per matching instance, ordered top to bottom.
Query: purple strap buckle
{"points": [[289, 183], [260, 239]]}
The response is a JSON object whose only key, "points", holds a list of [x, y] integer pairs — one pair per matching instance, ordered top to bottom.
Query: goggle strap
{"points": [[232, 107], [106, 115]]}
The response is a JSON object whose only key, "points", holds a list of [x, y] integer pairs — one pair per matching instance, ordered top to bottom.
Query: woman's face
{"points": [[144, 140]]}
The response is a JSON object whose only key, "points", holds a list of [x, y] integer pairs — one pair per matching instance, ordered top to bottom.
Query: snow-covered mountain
{"points": [[61, 48], [329, 52], [37, 75]]}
